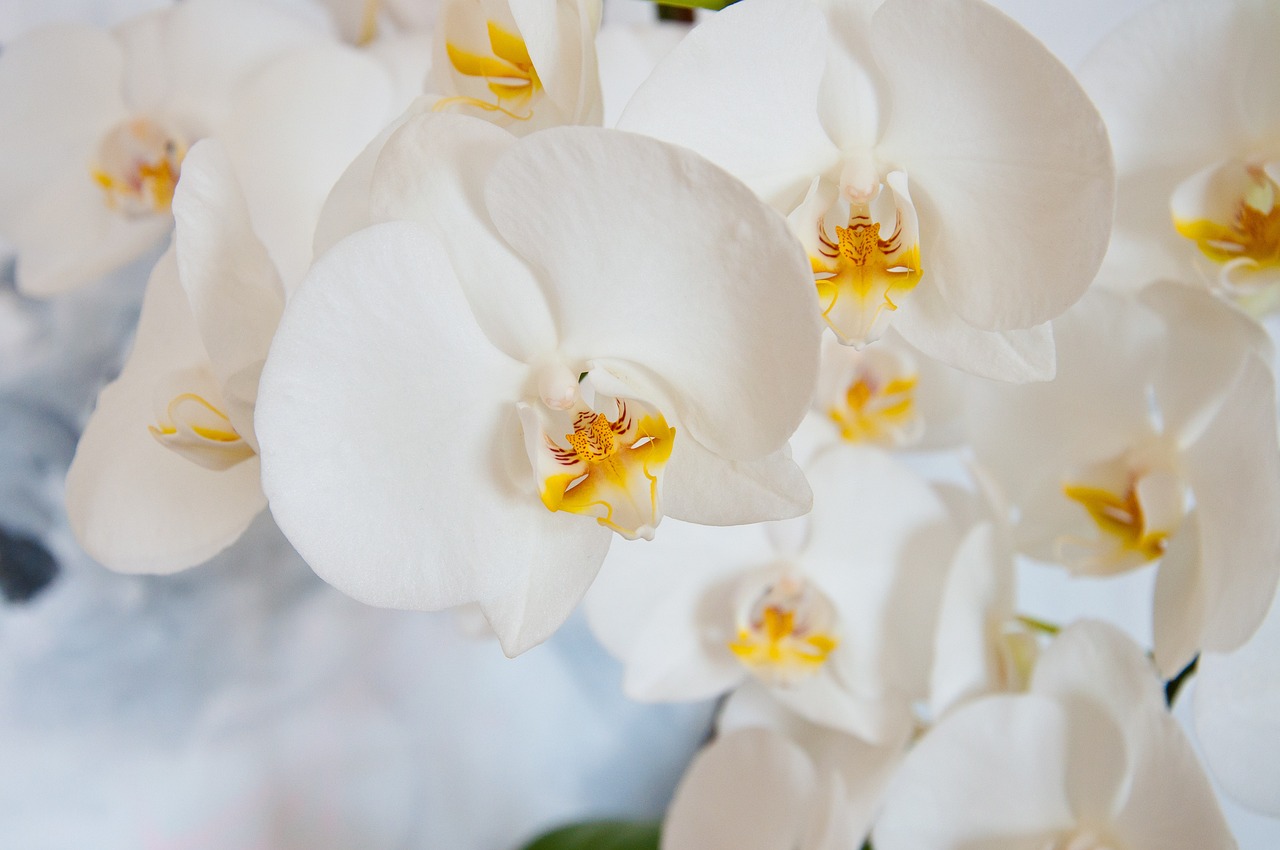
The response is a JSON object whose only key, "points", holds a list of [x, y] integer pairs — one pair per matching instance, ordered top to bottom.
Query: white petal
{"points": [[561, 39], [1178, 84], [742, 90], [296, 126], [1008, 159], [432, 170], [231, 284], [1206, 341], [737, 350], [1019, 356], [391, 449], [1234, 472], [700, 486], [135, 505], [1178, 610], [1237, 716], [990, 775], [750, 790], [1170, 802]]}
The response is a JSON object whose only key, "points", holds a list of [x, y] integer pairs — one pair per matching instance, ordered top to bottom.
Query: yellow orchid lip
{"points": [[509, 74], [138, 165], [1252, 233], [861, 276], [877, 409], [201, 432], [607, 467], [1135, 517], [785, 634]]}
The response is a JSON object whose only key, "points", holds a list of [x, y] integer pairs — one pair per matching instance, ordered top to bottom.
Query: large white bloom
{"points": [[1187, 89], [97, 125], [945, 173], [545, 342], [1157, 441], [166, 473], [838, 628], [1087, 760]]}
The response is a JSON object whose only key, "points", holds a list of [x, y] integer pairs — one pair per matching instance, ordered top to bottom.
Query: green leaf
{"points": [[713, 5], [601, 835]]}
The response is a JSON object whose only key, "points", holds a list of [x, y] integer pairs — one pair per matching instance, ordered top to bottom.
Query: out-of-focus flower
{"points": [[524, 66], [1187, 90], [97, 125], [913, 144], [467, 401], [1157, 441], [166, 473], [839, 628], [1087, 760], [771, 781]]}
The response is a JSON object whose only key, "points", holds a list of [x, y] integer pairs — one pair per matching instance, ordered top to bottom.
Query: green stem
{"points": [[713, 5], [1038, 625]]}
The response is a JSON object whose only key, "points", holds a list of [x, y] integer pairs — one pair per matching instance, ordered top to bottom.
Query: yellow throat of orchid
{"points": [[509, 74], [137, 167], [1252, 233], [862, 274], [875, 411], [201, 432], [607, 467], [1135, 518], [785, 634]]}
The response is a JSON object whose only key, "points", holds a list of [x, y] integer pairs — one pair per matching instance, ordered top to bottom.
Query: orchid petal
{"points": [[560, 37], [770, 52], [297, 125], [1008, 159], [446, 195], [231, 284], [737, 349], [1018, 356], [1234, 472], [407, 487], [703, 487], [135, 505], [1178, 611], [966, 771], [715, 807]]}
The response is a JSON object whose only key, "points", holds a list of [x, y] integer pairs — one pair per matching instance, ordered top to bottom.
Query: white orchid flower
{"points": [[522, 65], [1186, 90], [97, 125], [916, 146], [546, 343], [1157, 442], [166, 473], [838, 628], [1236, 700], [1089, 759], [771, 781]]}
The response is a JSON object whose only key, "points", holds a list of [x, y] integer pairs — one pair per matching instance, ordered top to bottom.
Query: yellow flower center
{"points": [[508, 73], [138, 165], [1252, 233], [861, 275], [875, 411], [195, 428], [608, 468], [1135, 509], [785, 636]]}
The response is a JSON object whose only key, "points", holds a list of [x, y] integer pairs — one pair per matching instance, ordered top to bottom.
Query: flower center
{"points": [[508, 73], [137, 167], [869, 265], [877, 404], [200, 431], [608, 466], [1135, 510], [785, 633]]}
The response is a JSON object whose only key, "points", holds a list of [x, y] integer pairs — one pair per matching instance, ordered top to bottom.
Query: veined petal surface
{"points": [[1008, 159], [724, 314]]}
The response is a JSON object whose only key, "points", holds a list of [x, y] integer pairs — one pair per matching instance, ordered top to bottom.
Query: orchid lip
{"points": [[508, 73], [137, 166], [200, 431], [784, 628]]}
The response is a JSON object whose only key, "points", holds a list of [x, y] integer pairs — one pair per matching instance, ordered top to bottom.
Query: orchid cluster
{"points": [[787, 363]]}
